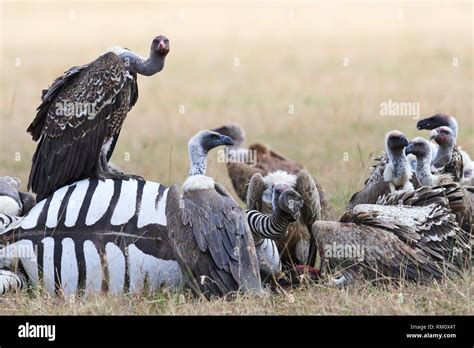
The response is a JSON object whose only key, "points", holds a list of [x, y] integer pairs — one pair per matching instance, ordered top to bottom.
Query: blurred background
{"points": [[306, 78]]}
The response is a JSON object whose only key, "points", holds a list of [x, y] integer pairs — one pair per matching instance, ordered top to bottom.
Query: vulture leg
{"points": [[105, 172]]}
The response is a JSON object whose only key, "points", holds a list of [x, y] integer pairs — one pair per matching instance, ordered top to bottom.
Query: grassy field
{"points": [[332, 63]]}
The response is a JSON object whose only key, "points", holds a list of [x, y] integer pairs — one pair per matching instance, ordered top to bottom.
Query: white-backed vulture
{"points": [[440, 120], [448, 158], [243, 163], [391, 173], [425, 177], [208, 230], [405, 236], [295, 246]]}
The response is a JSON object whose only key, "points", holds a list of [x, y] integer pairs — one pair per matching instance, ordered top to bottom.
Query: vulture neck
{"points": [[142, 66], [453, 124], [443, 155], [197, 159], [401, 168], [423, 171]]}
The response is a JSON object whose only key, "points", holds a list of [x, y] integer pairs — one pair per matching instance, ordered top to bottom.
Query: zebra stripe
{"points": [[89, 201], [100, 201], [75, 203], [126, 205], [53, 209], [153, 211], [8, 221], [262, 226], [268, 257], [57, 264], [48, 265], [69, 267], [115, 268], [94, 273], [10, 281]]}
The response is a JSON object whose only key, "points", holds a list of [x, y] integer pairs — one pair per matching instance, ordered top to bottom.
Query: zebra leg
{"points": [[11, 281]]}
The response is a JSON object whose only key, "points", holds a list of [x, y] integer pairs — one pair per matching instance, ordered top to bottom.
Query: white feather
{"points": [[279, 177], [198, 182]]}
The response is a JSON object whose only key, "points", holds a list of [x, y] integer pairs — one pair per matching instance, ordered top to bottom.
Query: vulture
{"points": [[81, 115], [443, 120], [421, 148], [448, 158], [243, 163], [276, 169], [390, 174], [12, 201], [463, 206], [267, 229], [208, 230], [111, 236], [404, 236], [296, 245]]}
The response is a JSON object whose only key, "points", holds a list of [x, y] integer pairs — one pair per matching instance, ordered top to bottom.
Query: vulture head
{"points": [[160, 46], [439, 120], [433, 122], [234, 131], [442, 136], [208, 140], [395, 142], [198, 147], [419, 147]]}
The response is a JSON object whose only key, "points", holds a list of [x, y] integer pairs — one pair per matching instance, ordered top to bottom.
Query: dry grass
{"points": [[402, 52], [450, 297]]}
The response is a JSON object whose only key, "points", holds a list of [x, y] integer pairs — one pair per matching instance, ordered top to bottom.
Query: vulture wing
{"points": [[79, 111], [240, 174], [255, 192], [311, 210], [447, 236], [212, 242], [368, 247]]}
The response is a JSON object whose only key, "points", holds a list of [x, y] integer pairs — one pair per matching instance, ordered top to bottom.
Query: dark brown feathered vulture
{"points": [[81, 115], [243, 163], [391, 173], [208, 229], [405, 236]]}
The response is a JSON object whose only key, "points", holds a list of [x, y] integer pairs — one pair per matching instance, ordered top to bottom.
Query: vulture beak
{"points": [[423, 124], [434, 133], [227, 140], [405, 142], [409, 149]]}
